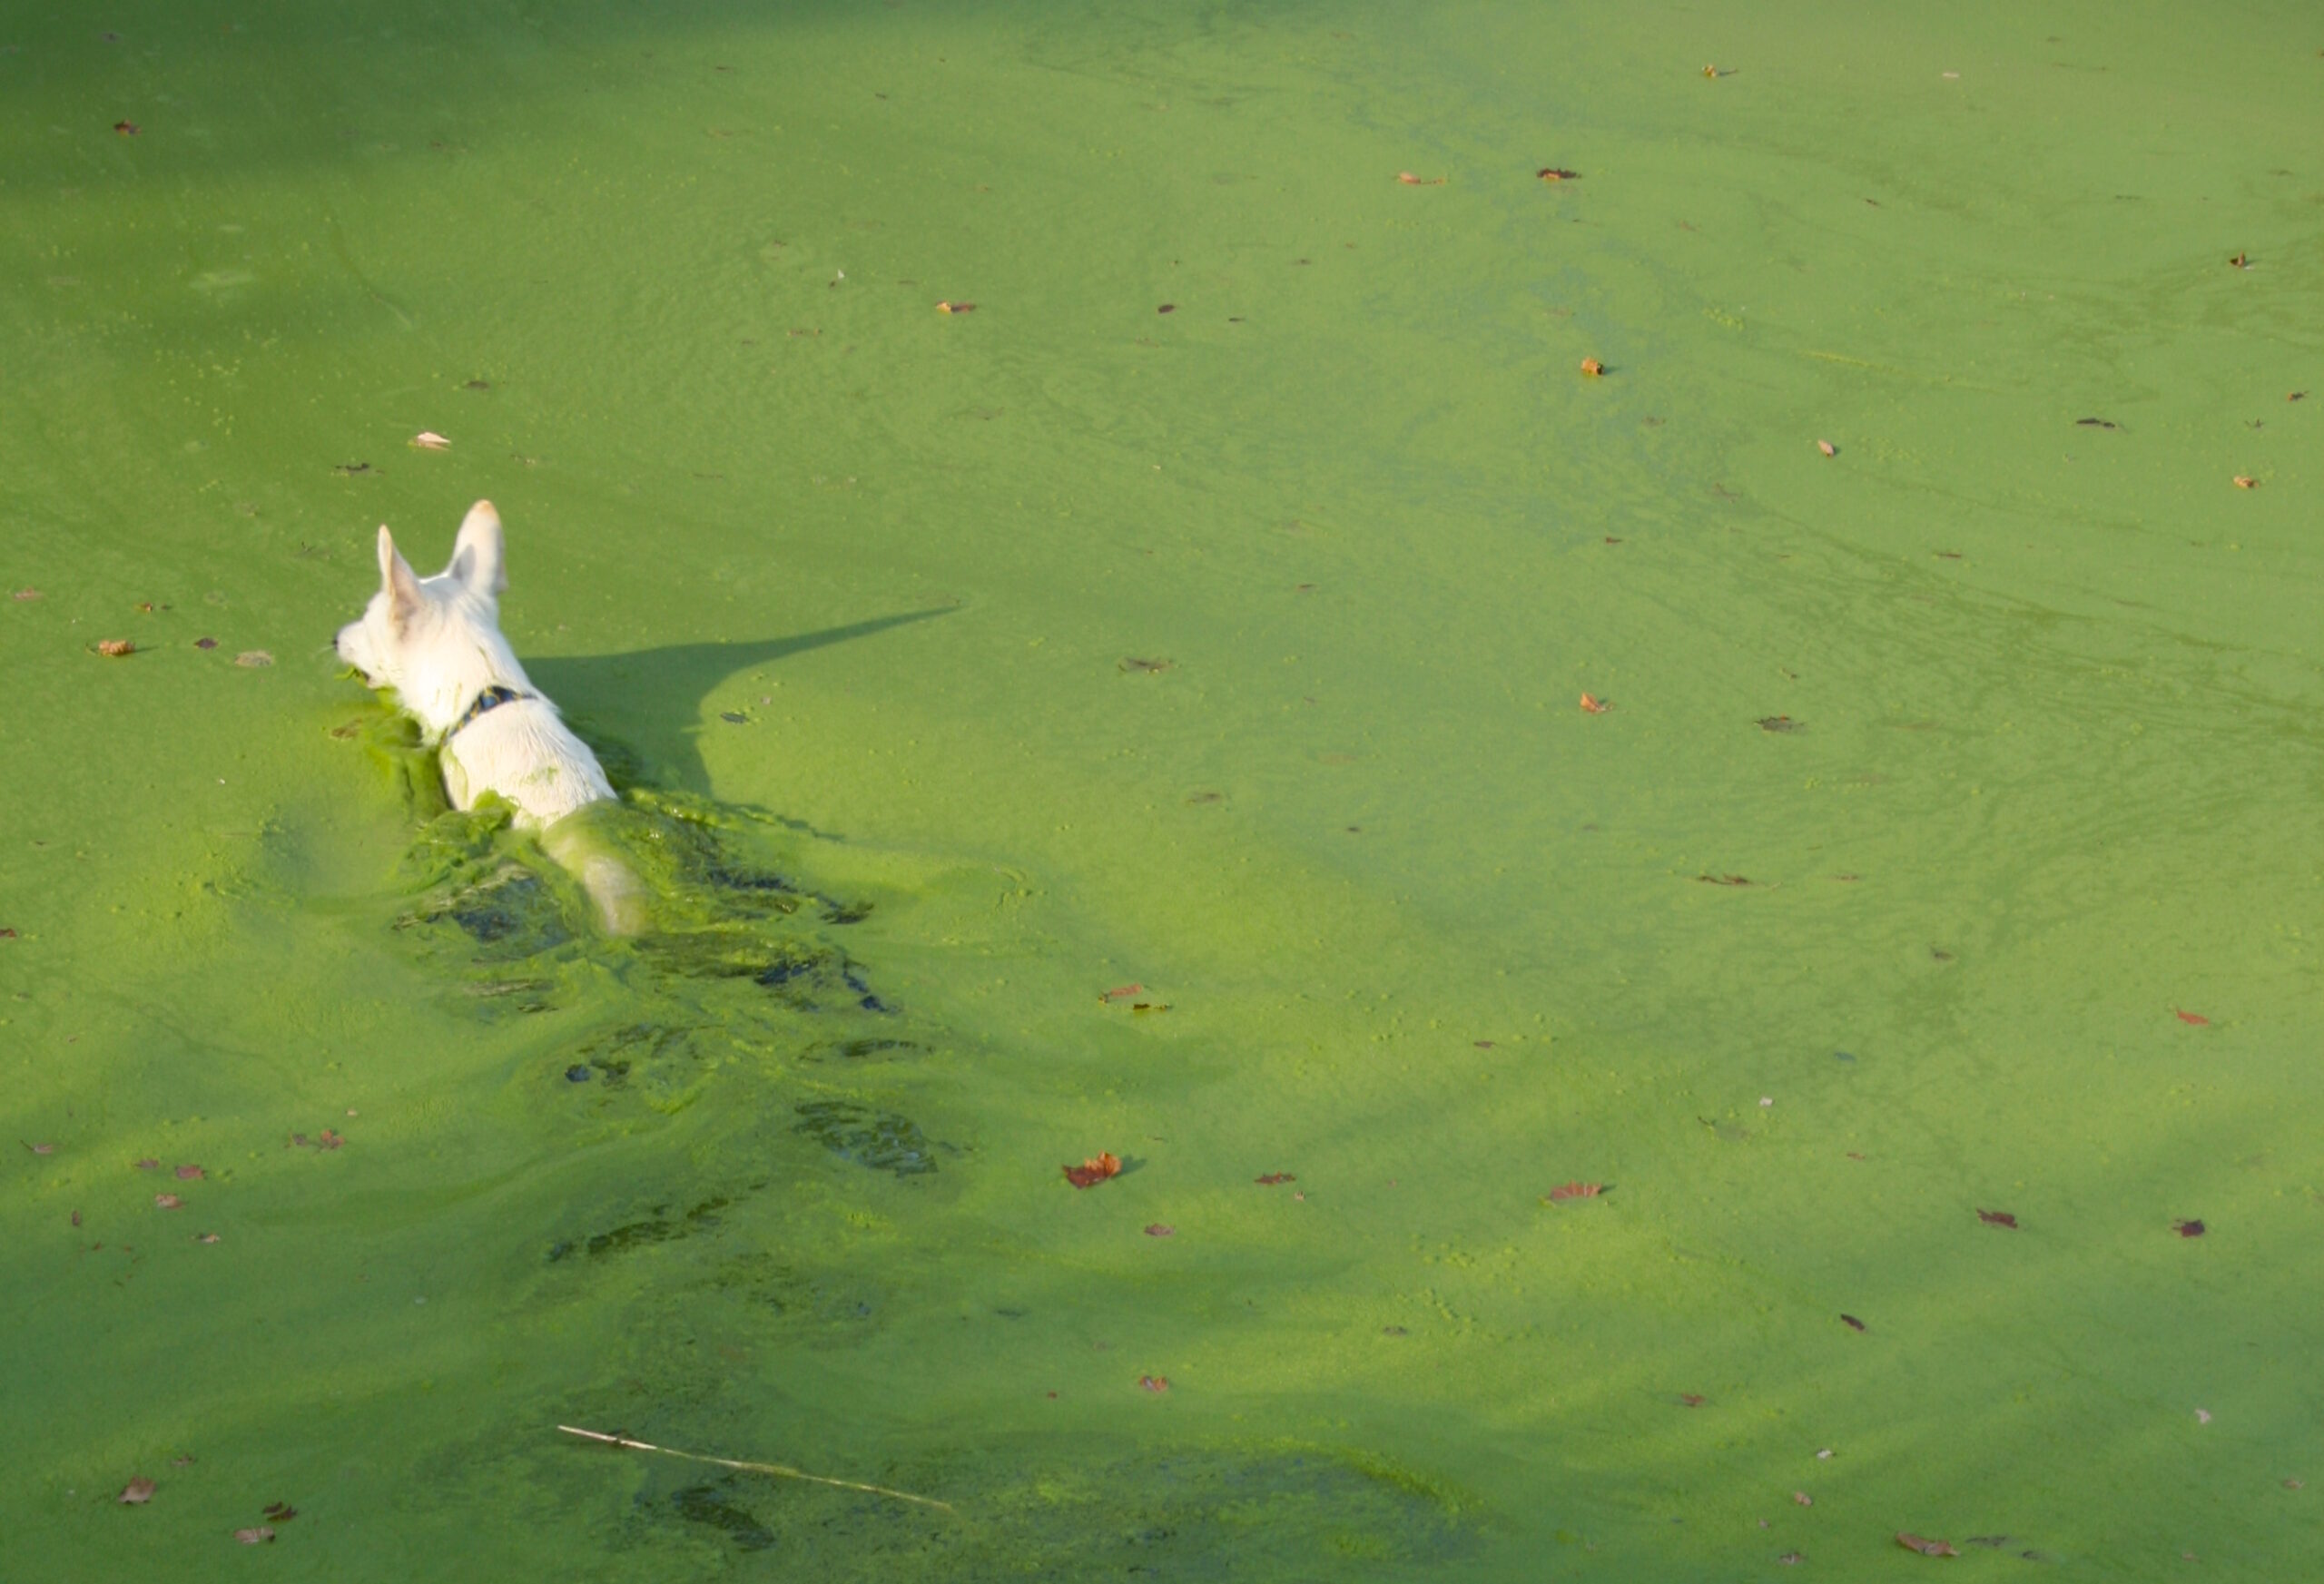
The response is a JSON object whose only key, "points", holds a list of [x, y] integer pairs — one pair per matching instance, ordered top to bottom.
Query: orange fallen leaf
{"points": [[2241, 261], [1592, 367], [430, 440], [1828, 449], [2245, 481], [114, 648], [1595, 706], [2197, 1018], [327, 1139], [1094, 1170], [1565, 1191], [1157, 1384], [136, 1493], [257, 1536], [1926, 1547]]}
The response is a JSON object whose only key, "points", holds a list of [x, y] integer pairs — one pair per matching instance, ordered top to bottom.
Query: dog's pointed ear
{"points": [[480, 555], [398, 579]]}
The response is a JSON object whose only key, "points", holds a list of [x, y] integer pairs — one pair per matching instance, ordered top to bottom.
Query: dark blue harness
{"points": [[490, 699]]}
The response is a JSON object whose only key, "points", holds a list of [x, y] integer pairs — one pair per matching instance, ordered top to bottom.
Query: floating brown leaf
{"points": [[1593, 705], [1094, 1170], [1272, 1178], [1565, 1191], [1998, 1218], [2187, 1228], [136, 1493], [1926, 1547]]}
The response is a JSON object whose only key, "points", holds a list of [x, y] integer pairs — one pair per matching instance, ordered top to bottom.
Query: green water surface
{"points": [[963, 668]]}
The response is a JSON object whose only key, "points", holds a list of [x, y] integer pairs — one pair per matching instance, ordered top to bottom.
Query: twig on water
{"points": [[778, 1470]]}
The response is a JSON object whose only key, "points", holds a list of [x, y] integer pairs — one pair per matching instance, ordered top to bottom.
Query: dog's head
{"points": [[437, 640]]}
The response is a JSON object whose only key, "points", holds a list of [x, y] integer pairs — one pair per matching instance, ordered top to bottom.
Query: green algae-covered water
{"points": [[1918, 952]]}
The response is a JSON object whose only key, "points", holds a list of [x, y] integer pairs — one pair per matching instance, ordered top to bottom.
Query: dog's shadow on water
{"points": [[651, 699]]}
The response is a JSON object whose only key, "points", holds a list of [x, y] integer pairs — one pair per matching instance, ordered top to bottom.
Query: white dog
{"points": [[437, 642]]}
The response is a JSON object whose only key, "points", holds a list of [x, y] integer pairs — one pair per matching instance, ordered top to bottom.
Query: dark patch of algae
{"points": [[972, 665]]}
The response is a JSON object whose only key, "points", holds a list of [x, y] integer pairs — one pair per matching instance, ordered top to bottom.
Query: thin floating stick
{"points": [[778, 1470]]}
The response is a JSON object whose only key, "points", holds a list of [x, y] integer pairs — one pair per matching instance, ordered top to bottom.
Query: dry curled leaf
{"points": [[1710, 71], [2241, 260], [1592, 367], [430, 440], [1828, 449], [2245, 481], [115, 648], [1593, 705], [1095, 1170], [1273, 1178], [1565, 1191], [1998, 1218], [1853, 1324], [136, 1493], [256, 1535], [1926, 1547]]}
